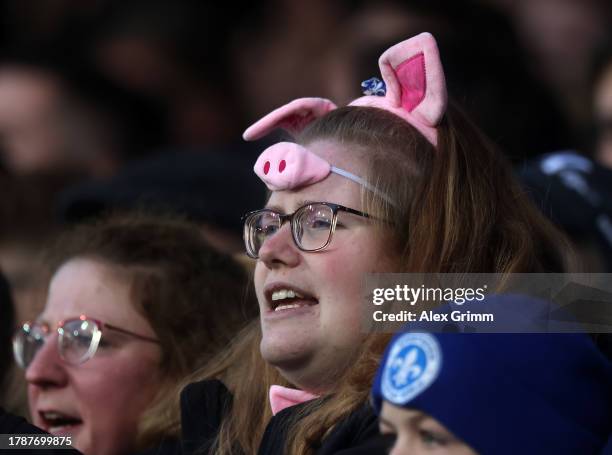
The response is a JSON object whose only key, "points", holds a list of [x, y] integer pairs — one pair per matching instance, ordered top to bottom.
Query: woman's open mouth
{"points": [[283, 298], [58, 423]]}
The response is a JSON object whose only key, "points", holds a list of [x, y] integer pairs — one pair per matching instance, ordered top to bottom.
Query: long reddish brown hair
{"points": [[457, 209]]}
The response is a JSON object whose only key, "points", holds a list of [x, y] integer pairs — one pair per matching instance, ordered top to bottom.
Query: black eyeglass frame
{"points": [[291, 217]]}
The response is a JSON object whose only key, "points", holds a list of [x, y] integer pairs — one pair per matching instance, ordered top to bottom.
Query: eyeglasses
{"points": [[312, 226], [78, 339]]}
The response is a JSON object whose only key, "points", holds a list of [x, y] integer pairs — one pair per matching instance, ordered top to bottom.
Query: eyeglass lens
{"points": [[262, 226], [311, 227], [77, 341], [27, 343]]}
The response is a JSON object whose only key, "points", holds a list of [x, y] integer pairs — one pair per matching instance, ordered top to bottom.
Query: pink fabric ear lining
{"points": [[412, 72], [402, 73], [416, 88], [292, 117]]}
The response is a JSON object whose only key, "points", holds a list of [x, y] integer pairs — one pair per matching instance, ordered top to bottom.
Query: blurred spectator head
{"points": [[560, 36], [271, 44], [176, 53], [489, 78], [602, 103], [57, 117], [31, 139], [214, 189], [576, 194], [27, 225], [164, 302]]}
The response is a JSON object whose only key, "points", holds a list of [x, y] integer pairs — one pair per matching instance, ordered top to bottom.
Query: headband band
{"points": [[287, 165]]}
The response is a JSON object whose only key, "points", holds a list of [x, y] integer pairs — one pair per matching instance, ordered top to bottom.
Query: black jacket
{"points": [[203, 405], [12, 424]]}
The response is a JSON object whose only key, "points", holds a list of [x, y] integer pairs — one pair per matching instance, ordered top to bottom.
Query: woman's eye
{"points": [[321, 223], [269, 230], [83, 341], [105, 343], [431, 439]]}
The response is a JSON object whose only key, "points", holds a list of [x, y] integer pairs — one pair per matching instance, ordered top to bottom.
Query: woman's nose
{"points": [[279, 249], [47, 369]]}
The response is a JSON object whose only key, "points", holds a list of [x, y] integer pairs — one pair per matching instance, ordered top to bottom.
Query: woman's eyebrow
{"points": [[304, 202], [296, 205], [274, 208], [41, 320], [413, 417], [419, 418], [435, 425]]}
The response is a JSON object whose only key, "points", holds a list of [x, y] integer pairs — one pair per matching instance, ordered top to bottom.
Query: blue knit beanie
{"points": [[504, 394]]}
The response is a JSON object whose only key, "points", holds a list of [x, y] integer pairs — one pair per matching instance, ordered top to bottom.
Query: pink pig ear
{"points": [[414, 77], [292, 117]]}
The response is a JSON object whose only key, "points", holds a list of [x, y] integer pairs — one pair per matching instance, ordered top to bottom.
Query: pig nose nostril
{"points": [[282, 165], [266, 167]]}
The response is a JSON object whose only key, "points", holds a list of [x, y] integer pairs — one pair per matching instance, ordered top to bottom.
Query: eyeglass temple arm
{"points": [[357, 212], [135, 335]]}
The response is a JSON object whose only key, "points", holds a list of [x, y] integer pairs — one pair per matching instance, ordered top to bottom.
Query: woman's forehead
{"points": [[348, 157], [333, 188], [85, 286]]}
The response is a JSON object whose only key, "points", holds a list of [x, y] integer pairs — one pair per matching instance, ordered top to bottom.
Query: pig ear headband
{"points": [[413, 89]]}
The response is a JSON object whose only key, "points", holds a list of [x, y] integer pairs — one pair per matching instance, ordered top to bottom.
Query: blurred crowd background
{"points": [[140, 105]]}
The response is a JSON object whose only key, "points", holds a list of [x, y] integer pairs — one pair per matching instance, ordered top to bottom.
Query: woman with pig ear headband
{"points": [[397, 181]]}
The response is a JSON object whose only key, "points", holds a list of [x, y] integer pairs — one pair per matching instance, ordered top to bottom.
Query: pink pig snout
{"points": [[287, 165]]}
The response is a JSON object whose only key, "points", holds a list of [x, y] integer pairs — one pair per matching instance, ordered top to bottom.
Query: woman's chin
{"points": [[284, 353]]}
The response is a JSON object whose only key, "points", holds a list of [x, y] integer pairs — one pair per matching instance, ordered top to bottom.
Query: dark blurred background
{"points": [[140, 104]]}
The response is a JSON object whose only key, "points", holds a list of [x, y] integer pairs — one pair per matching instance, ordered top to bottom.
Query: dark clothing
{"points": [[203, 405], [12, 424], [356, 435]]}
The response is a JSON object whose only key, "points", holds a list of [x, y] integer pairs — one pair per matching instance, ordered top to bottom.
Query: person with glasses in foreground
{"points": [[398, 181], [135, 305], [495, 393]]}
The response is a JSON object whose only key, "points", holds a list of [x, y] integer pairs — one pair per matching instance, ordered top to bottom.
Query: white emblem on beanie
{"points": [[412, 365]]}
